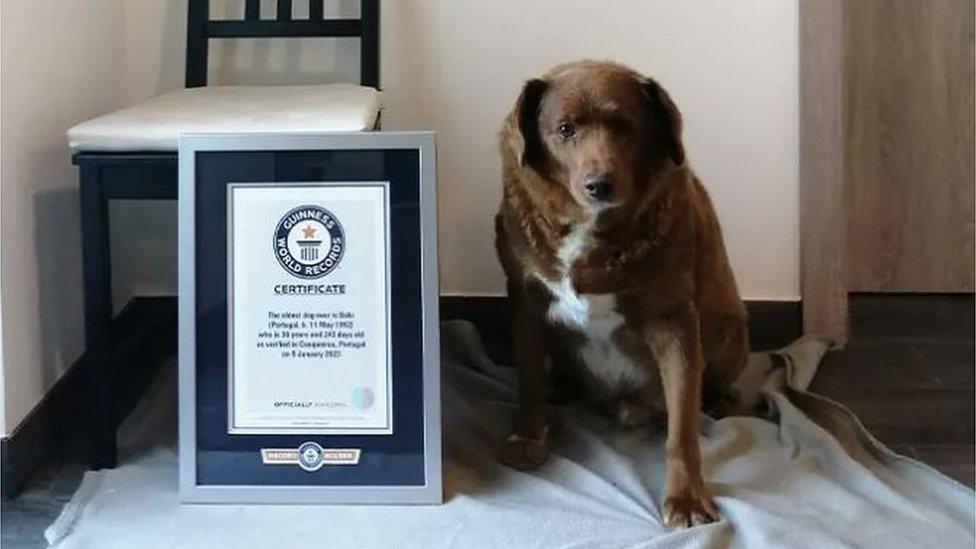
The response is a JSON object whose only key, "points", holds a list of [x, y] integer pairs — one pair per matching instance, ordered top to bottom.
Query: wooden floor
{"points": [[908, 373]]}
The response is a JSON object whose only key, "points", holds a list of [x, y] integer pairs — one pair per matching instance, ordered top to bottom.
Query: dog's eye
{"points": [[566, 130]]}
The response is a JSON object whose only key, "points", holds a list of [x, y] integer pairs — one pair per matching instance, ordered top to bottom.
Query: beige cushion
{"points": [[156, 125]]}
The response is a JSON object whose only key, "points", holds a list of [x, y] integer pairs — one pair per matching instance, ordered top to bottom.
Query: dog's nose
{"points": [[599, 188]]}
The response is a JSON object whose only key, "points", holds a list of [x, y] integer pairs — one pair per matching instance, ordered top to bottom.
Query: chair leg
{"points": [[98, 317]]}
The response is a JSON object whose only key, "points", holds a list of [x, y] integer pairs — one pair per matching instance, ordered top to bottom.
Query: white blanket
{"points": [[811, 477]]}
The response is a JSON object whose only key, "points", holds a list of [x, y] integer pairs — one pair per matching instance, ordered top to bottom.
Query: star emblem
{"points": [[308, 231]]}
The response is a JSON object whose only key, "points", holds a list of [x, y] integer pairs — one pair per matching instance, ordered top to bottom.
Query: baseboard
{"points": [[772, 324], [142, 333]]}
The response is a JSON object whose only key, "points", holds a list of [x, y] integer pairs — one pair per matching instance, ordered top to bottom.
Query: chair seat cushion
{"points": [[156, 125]]}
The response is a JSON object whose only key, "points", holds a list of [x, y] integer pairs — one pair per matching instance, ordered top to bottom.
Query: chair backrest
{"points": [[200, 29]]}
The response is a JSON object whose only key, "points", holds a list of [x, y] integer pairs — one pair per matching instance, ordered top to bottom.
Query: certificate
{"points": [[308, 315], [309, 348]]}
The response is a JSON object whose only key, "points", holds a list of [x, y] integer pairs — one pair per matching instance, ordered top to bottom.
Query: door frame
{"points": [[823, 220]]}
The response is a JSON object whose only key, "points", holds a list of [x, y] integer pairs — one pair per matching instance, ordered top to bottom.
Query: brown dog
{"points": [[615, 265]]}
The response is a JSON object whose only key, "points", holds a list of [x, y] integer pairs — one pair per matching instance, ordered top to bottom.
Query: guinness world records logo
{"points": [[309, 242], [310, 456]]}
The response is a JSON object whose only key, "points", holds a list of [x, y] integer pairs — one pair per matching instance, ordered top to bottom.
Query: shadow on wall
{"points": [[143, 241], [59, 283]]}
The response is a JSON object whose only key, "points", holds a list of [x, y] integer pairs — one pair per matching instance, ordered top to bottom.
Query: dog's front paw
{"points": [[525, 453], [688, 508]]}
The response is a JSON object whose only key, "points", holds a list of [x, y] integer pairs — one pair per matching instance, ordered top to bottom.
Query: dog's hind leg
{"points": [[726, 363], [793, 366]]}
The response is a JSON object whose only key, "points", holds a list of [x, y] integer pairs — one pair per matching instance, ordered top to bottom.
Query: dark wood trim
{"points": [[252, 10], [284, 10], [315, 10], [284, 28], [197, 50], [369, 52], [85, 157], [144, 176], [823, 215], [97, 272], [772, 324], [144, 333]]}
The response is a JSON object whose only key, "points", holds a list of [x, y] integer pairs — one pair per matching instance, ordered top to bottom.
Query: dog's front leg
{"points": [[677, 348], [528, 445]]}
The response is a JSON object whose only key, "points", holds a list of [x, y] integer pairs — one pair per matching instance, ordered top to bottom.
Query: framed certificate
{"points": [[308, 319]]}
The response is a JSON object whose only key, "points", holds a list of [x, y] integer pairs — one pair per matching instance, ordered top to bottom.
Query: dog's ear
{"points": [[666, 121], [528, 145]]}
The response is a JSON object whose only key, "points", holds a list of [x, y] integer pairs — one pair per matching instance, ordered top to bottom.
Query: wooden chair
{"points": [[131, 154]]}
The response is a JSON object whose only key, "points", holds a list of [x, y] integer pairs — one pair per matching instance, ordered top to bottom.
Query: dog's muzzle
{"points": [[599, 188]]}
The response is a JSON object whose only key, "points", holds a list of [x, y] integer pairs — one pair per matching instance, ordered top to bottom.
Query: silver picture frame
{"points": [[431, 492]]}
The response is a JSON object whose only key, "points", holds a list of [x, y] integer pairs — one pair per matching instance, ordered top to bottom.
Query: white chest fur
{"points": [[595, 316]]}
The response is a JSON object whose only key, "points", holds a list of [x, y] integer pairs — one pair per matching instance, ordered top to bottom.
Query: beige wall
{"points": [[60, 65], [449, 65], [456, 66], [731, 66]]}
